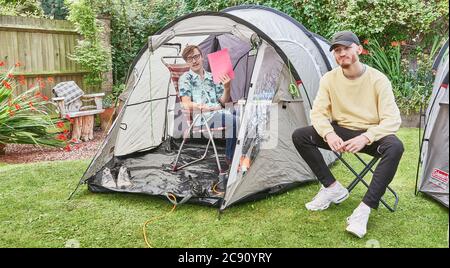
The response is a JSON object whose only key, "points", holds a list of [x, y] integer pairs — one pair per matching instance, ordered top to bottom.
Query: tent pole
{"points": [[78, 186], [220, 211]]}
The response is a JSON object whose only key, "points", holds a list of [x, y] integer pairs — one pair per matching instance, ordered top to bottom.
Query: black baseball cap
{"points": [[345, 38]]}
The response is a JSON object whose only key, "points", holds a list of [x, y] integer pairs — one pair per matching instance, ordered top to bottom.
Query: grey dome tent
{"points": [[270, 53], [434, 145]]}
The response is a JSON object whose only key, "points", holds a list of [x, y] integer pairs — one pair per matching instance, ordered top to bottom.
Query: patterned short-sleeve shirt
{"points": [[205, 92]]}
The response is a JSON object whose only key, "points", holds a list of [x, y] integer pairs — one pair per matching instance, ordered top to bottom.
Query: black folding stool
{"points": [[359, 177]]}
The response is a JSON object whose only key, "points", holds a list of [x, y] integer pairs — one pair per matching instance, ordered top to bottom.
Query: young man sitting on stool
{"points": [[354, 111]]}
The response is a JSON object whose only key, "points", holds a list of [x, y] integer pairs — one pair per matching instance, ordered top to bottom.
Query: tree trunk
{"points": [[76, 128], [83, 128], [87, 132]]}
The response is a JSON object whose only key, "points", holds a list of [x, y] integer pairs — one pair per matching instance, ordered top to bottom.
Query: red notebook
{"points": [[220, 63]]}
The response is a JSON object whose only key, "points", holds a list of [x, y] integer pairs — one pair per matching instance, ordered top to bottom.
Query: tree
{"points": [[55, 9]]}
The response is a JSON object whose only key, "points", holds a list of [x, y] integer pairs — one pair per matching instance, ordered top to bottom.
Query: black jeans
{"points": [[389, 148]]}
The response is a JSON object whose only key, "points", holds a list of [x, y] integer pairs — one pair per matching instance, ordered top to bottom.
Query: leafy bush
{"points": [[28, 8], [54, 9], [415, 21], [89, 52], [411, 85], [112, 98], [108, 101]]}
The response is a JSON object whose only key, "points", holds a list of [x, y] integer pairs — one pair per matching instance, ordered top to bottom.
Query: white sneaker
{"points": [[107, 179], [123, 179], [336, 194], [357, 222]]}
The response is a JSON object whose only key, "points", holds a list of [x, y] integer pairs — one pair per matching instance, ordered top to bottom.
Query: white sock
{"points": [[336, 184], [363, 206]]}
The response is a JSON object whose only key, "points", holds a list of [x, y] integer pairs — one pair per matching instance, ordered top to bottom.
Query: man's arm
{"points": [[185, 92], [188, 104], [321, 111], [388, 113], [321, 115]]}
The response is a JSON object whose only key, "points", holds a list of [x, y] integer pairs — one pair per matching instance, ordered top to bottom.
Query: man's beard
{"points": [[347, 65]]}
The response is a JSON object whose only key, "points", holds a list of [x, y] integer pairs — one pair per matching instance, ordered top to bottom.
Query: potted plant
{"points": [[110, 103], [106, 118]]}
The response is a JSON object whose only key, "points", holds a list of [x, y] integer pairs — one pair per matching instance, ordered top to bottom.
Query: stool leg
{"points": [[368, 167], [362, 174], [359, 176]]}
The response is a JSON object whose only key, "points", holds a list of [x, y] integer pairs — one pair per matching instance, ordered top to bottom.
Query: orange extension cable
{"points": [[171, 197]]}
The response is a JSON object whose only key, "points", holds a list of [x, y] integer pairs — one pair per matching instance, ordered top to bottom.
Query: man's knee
{"points": [[300, 135], [394, 146]]}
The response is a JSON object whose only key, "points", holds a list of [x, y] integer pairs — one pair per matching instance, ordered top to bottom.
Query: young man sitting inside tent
{"points": [[200, 94]]}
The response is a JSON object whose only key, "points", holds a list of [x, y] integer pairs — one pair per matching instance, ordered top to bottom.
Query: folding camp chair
{"points": [[176, 70], [359, 177]]}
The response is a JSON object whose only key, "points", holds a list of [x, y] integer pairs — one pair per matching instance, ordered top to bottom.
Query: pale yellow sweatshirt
{"points": [[366, 103]]}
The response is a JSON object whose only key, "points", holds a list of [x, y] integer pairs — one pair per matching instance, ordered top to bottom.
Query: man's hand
{"points": [[225, 80], [205, 108], [335, 142], [356, 144]]}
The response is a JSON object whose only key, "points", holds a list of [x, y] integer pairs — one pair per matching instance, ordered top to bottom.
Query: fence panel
{"points": [[41, 47]]}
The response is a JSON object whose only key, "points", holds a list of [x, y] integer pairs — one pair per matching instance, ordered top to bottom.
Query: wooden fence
{"points": [[40, 47]]}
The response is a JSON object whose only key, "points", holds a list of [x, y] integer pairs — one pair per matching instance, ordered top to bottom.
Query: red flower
{"points": [[366, 41], [395, 43], [365, 51], [2, 63], [18, 64], [10, 75], [22, 80], [50, 80], [6, 84], [42, 84], [32, 85], [44, 97], [17, 106], [67, 117], [60, 124], [66, 131], [61, 137], [73, 140], [67, 148]]}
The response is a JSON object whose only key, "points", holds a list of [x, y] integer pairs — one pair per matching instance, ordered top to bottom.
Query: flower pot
{"points": [[107, 118]]}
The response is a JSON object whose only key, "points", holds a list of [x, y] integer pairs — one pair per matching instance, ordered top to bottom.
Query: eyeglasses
{"points": [[192, 58]]}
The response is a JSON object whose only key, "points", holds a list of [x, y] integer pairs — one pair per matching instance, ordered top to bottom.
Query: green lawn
{"points": [[35, 213]]}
